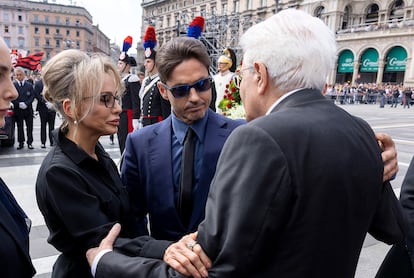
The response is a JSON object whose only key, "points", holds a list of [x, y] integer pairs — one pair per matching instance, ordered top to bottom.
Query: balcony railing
{"points": [[377, 26]]}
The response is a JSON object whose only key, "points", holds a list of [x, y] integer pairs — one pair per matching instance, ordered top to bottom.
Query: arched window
{"points": [[397, 10], [319, 11], [372, 14], [346, 22]]}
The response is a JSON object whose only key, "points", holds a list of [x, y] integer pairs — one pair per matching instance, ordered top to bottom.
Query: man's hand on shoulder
{"points": [[389, 155], [106, 245]]}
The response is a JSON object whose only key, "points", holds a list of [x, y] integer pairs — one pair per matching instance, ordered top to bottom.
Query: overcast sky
{"points": [[116, 18]]}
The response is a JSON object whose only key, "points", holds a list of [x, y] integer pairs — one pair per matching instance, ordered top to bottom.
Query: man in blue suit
{"points": [[151, 167]]}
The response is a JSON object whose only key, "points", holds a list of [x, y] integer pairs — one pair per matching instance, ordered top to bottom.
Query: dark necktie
{"points": [[186, 178]]}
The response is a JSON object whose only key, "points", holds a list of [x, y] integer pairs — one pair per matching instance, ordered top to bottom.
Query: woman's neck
{"points": [[84, 140]]}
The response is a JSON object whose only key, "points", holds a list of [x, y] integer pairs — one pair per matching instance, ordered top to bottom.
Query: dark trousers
{"points": [[382, 101], [394, 102], [26, 116], [47, 118], [122, 130]]}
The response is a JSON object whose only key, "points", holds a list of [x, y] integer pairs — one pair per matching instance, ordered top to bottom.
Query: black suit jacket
{"points": [[26, 95], [41, 102], [317, 177], [294, 194], [407, 202], [14, 246], [399, 261]]}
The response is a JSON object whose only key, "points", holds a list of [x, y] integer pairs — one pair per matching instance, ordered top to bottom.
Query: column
{"points": [[380, 72], [355, 74]]}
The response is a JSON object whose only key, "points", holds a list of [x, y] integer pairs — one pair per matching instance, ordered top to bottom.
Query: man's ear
{"points": [[261, 78], [163, 91]]}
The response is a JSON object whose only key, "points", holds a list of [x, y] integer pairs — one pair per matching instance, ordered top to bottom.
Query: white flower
{"points": [[236, 112]]}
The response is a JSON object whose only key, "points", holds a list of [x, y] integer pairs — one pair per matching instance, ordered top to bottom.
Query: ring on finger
{"points": [[191, 244]]}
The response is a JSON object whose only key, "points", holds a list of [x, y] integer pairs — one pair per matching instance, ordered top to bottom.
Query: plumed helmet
{"points": [[195, 28], [150, 41], [124, 56], [229, 57], [127, 59]]}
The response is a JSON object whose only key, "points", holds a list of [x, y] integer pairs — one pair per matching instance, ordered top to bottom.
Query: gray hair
{"points": [[298, 50]]}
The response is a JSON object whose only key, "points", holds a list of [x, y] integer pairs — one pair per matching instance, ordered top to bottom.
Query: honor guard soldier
{"points": [[226, 64], [154, 108], [129, 118]]}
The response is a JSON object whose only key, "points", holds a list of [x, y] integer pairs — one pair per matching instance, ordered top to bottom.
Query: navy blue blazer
{"points": [[147, 173], [14, 248]]}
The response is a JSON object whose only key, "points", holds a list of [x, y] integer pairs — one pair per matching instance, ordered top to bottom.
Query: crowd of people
{"points": [[370, 93], [199, 194]]}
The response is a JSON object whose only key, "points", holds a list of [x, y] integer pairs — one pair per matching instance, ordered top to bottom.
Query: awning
{"points": [[396, 59], [346, 61], [369, 61]]}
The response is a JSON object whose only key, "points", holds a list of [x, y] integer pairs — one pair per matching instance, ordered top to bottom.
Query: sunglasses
{"points": [[180, 91], [107, 99]]}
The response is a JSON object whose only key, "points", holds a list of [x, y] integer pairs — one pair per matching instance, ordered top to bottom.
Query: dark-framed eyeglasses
{"points": [[238, 75], [180, 91], [106, 98]]}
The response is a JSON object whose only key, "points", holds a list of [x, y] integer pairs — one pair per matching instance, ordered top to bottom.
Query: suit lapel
{"points": [[160, 164], [10, 227]]}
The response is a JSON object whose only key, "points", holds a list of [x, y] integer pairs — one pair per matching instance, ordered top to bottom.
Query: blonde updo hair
{"points": [[74, 75]]}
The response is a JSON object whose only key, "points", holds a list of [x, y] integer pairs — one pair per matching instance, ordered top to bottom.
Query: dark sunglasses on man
{"points": [[180, 91]]}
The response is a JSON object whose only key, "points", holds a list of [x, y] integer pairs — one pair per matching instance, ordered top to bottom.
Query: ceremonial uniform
{"points": [[226, 67], [221, 80], [130, 107], [154, 107], [129, 117]]}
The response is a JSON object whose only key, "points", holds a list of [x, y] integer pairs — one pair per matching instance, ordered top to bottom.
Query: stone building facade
{"points": [[41, 26], [375, 38]]}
